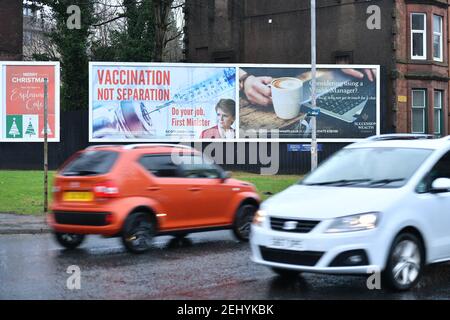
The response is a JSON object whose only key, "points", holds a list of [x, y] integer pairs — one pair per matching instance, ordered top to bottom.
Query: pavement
{"points": [[22, 224]]}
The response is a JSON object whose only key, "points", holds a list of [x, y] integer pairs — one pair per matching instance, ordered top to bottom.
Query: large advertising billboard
{"points": [[347, 98], [22, 101], [137, 102], [160, 102]]}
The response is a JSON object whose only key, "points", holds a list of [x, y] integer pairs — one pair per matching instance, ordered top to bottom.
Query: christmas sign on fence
{"points": [[22, 101]]}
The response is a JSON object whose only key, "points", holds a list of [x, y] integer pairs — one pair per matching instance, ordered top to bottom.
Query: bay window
{"points": [[418, 36], [418, 110]]}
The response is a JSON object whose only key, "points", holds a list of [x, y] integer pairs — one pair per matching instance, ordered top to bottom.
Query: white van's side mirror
{"points": [[440, 185]]}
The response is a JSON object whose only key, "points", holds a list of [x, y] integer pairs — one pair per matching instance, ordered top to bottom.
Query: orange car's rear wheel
{"points": [[243, 221], [138, 232], [69, 240]]}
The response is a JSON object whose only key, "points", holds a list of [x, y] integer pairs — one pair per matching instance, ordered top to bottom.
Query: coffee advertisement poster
{"points": [[22, 97], [278, 100], [141, 102], [239, 102]]}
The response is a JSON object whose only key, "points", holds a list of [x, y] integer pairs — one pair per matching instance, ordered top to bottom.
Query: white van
{"points": [[382, 203]]}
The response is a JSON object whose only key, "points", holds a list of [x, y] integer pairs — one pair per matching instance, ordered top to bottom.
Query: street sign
{"points": [[302, 147]]}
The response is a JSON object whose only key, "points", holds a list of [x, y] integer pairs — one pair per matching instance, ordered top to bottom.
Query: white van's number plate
{"points": [[288, 244]]}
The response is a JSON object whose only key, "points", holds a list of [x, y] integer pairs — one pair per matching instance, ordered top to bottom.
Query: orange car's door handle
{"points": [[152, 188], [194, 189]]}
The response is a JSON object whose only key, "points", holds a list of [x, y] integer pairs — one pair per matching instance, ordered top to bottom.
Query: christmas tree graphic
{"points": [[30, 130], [14, 131], [49, 131]]}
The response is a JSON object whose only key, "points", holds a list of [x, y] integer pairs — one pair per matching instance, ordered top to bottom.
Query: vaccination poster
{"points": [[22, 96], [135, 102]]}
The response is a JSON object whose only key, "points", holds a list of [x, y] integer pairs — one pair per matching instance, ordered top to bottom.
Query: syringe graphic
{"points": [[201, 92], [128, 119]]}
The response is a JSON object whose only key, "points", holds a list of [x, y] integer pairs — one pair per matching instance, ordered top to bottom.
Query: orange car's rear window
{"points": [[91, 163]]}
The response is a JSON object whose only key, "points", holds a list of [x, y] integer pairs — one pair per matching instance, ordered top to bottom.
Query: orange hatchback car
{"points": [[140, 191]]}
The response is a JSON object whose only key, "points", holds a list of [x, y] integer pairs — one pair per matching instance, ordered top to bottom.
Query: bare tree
{"points": [[166, 13], [110, 16], [111, 19], [37, 22], [168, 29], [173, 46]]}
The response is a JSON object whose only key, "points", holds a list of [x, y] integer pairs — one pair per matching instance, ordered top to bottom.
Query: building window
{"points": [[27, 11], [418, 36], [437, 38], [438, 100], [418, 111]]}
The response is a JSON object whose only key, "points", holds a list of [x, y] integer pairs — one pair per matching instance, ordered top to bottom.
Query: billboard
{"points": [[347, 98], [22, 101], [138, 102], [159, 102]]}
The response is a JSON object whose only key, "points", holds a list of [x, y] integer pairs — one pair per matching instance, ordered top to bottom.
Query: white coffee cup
{"points": [[287, 94]]}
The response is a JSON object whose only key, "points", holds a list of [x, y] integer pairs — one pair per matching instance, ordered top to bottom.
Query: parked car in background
{"points": [[141, 191], [380, 204]]}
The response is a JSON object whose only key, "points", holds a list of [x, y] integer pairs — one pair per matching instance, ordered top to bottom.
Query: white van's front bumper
{"points": [[316, 251]]}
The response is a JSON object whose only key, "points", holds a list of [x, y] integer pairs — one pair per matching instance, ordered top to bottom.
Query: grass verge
{"points": [[267, 184], [22, 191]]}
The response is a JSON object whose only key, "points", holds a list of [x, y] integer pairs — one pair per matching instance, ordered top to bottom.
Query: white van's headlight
{"points": [[259, 218], [359, 222]]}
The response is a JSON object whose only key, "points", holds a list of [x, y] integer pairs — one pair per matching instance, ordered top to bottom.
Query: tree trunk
{"points": [[161, 9]]}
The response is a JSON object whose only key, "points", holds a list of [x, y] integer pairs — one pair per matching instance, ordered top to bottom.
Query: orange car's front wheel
{"points": [[138, 232]]}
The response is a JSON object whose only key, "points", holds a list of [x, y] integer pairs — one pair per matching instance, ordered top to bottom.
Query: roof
{"points": [[433, 144], [153, 147]]}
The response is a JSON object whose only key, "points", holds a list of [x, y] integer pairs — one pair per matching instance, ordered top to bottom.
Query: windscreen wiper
{"points": [[384, 181], [342, 182]]}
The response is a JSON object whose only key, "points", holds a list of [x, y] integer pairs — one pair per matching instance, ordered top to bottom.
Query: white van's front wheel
{"points": [[405, 262]]}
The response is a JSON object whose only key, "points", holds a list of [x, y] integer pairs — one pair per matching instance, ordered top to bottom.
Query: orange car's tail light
{"points": [[107, 189], [56, 192]]}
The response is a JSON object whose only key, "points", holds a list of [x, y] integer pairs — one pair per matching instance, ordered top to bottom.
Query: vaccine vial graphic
{"points": [[133, 119]]}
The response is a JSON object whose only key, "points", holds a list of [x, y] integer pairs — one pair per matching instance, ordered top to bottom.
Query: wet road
{"points": [[209, 266]]}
